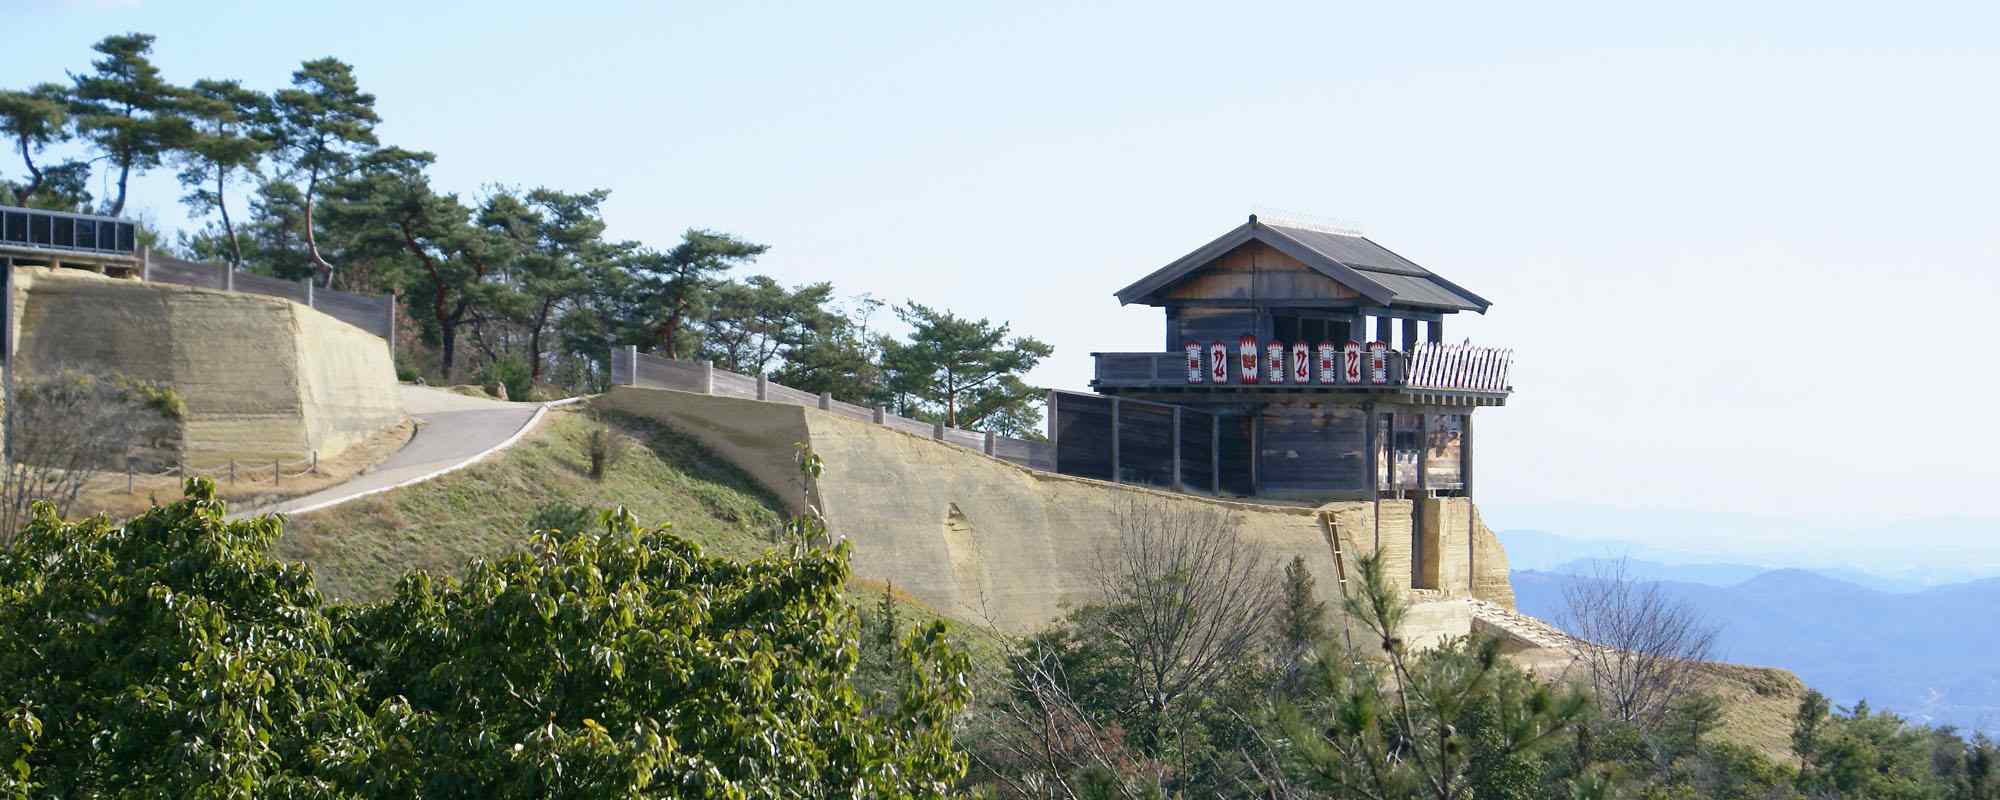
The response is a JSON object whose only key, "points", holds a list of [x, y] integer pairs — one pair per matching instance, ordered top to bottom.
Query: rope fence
{"points": [[231, 472]]}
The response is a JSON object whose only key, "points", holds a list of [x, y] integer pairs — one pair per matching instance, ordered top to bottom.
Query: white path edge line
{"points": [[481, 456]]}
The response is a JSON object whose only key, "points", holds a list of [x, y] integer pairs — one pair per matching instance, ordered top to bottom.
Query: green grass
{"points": [[359, 550]]}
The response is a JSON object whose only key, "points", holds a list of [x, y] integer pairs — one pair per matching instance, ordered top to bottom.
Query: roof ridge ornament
{"points": [[1293, 219]]}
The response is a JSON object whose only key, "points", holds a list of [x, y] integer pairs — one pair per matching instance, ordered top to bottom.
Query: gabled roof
{"points": [[1355, 261]]}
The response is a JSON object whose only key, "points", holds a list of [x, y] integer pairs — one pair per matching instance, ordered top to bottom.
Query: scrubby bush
{"points": [[68, 426], [606, 448]]}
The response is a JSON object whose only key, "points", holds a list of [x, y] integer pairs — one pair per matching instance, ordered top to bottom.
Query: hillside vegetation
{"points": [[358, 550]]}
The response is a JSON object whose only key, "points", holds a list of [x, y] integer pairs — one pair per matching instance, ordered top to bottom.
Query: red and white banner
{"points": [[1246, 357], [1328, 358], [1194, 362], [1218, 362], [1274, 362], [1301, 362], [1351, 363], [1378, 363]]}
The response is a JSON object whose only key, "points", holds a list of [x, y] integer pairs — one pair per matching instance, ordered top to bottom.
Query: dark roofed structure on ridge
{"points": [[1300, 363]]}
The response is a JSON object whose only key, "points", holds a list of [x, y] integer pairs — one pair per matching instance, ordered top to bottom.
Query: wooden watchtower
{"points": [[1321, 357]]}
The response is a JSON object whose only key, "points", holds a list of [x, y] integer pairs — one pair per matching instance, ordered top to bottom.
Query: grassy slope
{"points": [[360, 549]]}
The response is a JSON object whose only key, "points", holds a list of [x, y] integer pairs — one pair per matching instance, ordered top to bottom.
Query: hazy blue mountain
{"points": [[1549, 552], [1933, 655]]}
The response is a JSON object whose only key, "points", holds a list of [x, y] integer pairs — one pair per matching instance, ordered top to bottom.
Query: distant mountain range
{"points": [[1548, 552], [1932, 655]]}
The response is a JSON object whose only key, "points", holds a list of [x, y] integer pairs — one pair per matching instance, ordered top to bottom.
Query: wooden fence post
{"points": [[146, 265], [228, 278], [309, 292], [392, 326], [632, 363], [708, 377], [763, 387], [826, 401], [880, 415], [937, 430], [1114, 440], [990, 441], [315, 462], [232, 472], [128, 474], [277, 474], [1176, 481]]}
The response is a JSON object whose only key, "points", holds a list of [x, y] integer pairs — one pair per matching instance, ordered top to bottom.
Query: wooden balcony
{"points": [[1441, 373]]}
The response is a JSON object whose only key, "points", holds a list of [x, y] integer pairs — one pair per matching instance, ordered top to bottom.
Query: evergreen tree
{"points": [[127, 111], [34, 120], [319, 130], [219, 145], [677, 281], [752, 325], [963, 371]]}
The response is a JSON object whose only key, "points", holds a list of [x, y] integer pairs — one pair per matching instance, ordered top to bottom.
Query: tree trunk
{"points": [[34, 174], [124, 176], [228, 228], [312, 239], [669, 333], [535, 342], [447, 344]]}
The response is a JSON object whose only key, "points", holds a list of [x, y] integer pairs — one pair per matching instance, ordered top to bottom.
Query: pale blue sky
{"points": [[1746, 253]]}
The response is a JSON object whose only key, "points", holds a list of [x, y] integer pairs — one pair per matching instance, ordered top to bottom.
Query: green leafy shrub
{"points": [[511, 372], [172, 656]]}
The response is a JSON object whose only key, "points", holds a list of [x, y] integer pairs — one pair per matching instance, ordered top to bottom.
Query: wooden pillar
{"points": [[1357, 328], [1384, 329], [1436, 330], [1409, 335], [7, 360], [708, 377], [880, 415], [937, 430], [1114, 440], [1370, 440], [1055, 450], [1423, 450], [1256, 451], [1215, 453], [1465, 455], [1465, 475], [1176, 482]]}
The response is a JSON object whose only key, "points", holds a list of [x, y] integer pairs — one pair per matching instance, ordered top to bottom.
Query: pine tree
{"points": [[127, 110]]}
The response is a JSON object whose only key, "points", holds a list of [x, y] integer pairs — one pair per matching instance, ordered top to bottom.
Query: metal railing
{"points": [[62, 230], [1435, 367]]}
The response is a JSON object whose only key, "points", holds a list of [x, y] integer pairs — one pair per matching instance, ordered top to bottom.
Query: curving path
{"points": [[453, 431]]}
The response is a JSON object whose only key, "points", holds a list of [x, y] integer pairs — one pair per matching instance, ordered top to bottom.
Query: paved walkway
{"points": [[452, 430]]}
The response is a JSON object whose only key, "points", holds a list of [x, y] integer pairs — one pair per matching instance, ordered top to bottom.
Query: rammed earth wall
{"points": [[265, 379], [980, 538]]}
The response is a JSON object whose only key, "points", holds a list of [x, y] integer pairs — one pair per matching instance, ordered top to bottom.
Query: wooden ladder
{"points": [[1330, 528]]}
